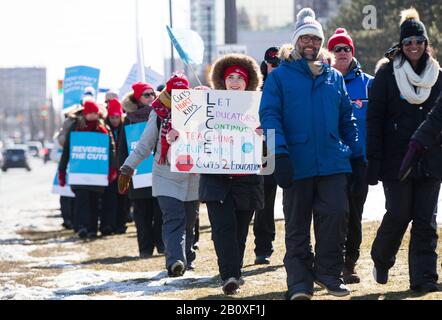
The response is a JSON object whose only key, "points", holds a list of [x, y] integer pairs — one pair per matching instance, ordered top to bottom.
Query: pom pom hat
{"points": [[306, 24], [411, 25], [340, 36]]}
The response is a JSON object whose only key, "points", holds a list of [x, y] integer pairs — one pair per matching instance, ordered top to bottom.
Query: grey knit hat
{"points": [[306, 23]]}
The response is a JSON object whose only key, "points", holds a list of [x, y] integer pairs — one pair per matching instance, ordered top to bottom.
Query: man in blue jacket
{"points": [[357, 83], [305, 101]]}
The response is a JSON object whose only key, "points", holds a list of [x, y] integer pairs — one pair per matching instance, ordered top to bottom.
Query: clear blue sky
{"points": [[99, 33]]}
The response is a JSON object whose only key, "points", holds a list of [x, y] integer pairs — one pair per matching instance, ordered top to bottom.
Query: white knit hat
{"points": [[306, 24]]}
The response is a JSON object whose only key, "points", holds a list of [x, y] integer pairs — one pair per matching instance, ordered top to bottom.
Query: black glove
{"points": [[415, 150], [283, 171], [373, 172], [357, 178]]}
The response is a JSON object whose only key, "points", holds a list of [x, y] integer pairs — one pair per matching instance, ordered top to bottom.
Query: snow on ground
{"points": [[26, 204]]}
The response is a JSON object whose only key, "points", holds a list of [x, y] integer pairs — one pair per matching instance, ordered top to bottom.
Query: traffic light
{"points": [[60, 86]]}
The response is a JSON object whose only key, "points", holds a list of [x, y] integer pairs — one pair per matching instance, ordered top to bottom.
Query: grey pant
{"points": [[326, 199], [178, 225]]}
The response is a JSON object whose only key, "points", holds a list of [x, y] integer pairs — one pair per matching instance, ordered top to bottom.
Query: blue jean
{"points": [[178, 225]]}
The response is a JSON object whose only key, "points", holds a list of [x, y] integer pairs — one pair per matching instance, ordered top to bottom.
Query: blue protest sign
{"points": [[76, 79], [89, 159], [143, 176], [62, 191]]}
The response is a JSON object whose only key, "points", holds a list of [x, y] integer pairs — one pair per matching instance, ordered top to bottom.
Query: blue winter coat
{"points": [[358, 83], [312, 117]]}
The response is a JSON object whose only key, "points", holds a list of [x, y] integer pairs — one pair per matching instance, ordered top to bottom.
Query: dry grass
{"points": [[120, 253]]}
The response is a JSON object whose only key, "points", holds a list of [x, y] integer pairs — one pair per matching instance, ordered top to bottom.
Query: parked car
{"points": [[35, 148], [15, 157]]}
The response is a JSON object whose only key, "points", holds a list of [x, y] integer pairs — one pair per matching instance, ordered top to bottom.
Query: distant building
{"points": [[325, 10], [264, 15], [207, 19], [23, 95]]}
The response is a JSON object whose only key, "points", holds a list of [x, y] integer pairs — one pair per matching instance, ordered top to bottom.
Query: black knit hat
{"points": [[411, 25], [271, 56]]}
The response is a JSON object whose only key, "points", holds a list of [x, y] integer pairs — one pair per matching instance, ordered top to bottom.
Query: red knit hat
{"points": [[340, 36], [239, 70], [177, 81], [139, 88], [90, 107], [114, 108]]}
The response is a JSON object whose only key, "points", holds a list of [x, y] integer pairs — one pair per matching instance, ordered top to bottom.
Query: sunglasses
{"points": [[306, 39], [418, 40], [339, 49], [147, 95]]}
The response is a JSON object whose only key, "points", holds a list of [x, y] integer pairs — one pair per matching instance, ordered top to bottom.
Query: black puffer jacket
{"points": [[391, 121], [247, 191]]}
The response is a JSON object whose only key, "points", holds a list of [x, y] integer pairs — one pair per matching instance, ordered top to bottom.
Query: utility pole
{"points": [[230, 25], [209, 34], [140, 51], [172, 58]]}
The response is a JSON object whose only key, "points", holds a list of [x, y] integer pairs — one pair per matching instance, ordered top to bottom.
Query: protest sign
{"points": [[77, 79], [216, 132], [89, 159], [143, 174], [65, 191]]}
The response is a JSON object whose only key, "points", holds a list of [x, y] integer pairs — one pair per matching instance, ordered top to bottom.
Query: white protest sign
{"points": [[222, 50], [152, 77], [216, 132]]}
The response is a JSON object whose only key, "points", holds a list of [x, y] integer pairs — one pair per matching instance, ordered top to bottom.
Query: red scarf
{"points": [[164, 113], [92, 126]]}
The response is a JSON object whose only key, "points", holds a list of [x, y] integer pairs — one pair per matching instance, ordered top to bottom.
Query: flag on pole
{"points": [[188, 44]]}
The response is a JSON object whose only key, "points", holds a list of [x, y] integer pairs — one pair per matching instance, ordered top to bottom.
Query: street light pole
{"points": [[230, 25], [140, 51], [172, 58]]}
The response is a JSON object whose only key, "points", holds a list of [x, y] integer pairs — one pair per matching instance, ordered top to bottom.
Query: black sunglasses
{"points": [[408, 41], [339, 49], [147, 95]]}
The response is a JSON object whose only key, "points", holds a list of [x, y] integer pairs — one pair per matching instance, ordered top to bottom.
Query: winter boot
{"points": [[349, 273]]}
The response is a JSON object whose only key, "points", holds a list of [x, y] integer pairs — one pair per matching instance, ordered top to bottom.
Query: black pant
{"points": [[327, 199], [356, 201], [413, 201], [109, 207], [115, 208], [123, 208], [67, 209], [86, 210], [148, 221], [264, 223], [196, 233], [229, 234]]}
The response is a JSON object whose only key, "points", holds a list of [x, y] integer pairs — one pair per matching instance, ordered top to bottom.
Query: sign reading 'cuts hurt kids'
{"points": [[216, 132]]}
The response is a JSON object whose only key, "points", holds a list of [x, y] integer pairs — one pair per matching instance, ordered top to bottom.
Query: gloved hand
{"points": [[172, 136], [415, 150], [283, 171], [373, 172], [126, 174], [112, 176], [61, 178], [357, 180]]}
